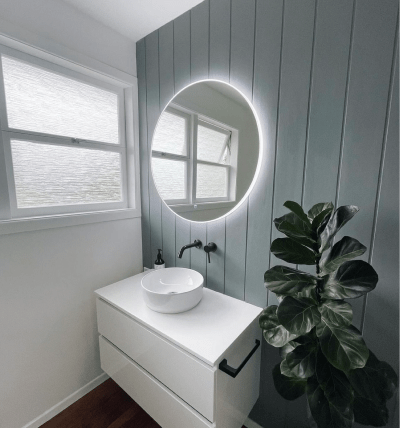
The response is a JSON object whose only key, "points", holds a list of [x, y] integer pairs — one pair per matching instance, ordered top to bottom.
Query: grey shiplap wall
{"points": [[323, 77]]}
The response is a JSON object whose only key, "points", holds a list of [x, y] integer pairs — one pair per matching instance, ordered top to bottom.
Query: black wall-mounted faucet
{"points": [[197, 243], [210, 248]]}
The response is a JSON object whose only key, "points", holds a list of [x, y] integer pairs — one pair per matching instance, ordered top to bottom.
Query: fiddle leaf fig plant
{"points": [[323, 355]]}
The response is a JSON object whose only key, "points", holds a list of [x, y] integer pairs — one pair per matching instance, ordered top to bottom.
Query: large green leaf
{"points": [[296, 209], [317, 209], [341, 216], [320, 221], [294, 228], [344, 250], [292, 252], [353, 279], [288, 281], [336, 313], [298, 314], [273, 331], [343, 347], [285, 349], [301, 361], [285, 370], [376, 381], [334, 383], [289, 388], [324, 412], [367, 412]]}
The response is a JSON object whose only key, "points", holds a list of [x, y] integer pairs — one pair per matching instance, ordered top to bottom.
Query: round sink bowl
{"points": [[172, 290]]}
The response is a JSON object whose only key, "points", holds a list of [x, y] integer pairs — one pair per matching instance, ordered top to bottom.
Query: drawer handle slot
{"points": [[223, 365]]}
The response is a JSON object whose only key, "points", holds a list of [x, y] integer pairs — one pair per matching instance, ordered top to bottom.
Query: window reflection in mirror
{"points": [[205, 151]]}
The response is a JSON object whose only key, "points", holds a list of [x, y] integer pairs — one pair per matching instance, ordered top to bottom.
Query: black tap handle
{"points": [[211, 247]]}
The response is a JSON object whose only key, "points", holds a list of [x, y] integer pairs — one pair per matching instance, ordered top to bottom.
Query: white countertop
{"points": [[205, 331]]}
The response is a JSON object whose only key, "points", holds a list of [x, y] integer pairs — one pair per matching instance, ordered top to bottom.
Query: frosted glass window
{"points": [[41, 101], [170, 134], [211, 145], [50, 175], [170, 178], [212, 181]]}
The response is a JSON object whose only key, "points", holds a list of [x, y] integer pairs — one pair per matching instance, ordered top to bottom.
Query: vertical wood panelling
{"points": [[374, 30], [220, 36], [199, 40], [220, 40], [242, 45], [182, 51], [166, 58], [330, 65], [241, 76], [319, 78], [182, 79], [265, 100], [293, 106], [153, 113], [144, 153], [183, 238], [235, 252], [198, 256], [216, 269], [381, 331]]}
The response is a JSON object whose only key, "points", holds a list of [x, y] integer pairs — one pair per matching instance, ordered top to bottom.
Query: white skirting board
{"points": [[75, 396], [62, 405], [251, 424]]}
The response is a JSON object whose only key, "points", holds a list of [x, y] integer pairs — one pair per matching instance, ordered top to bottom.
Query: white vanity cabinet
{"points": [[173, 365]]}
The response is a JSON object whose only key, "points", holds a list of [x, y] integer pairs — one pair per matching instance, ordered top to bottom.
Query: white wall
{"points": [[57, 27], [48, 333]]}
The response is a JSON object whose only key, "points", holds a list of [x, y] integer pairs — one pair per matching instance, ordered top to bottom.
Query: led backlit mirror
{"points": [[205, 151]]}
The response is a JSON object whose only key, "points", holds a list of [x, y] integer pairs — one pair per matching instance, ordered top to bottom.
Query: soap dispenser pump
{"points": [[159, 263]]}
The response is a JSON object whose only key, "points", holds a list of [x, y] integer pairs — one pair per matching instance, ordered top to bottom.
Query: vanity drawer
{"points": [[170, 365], [163, 406]]}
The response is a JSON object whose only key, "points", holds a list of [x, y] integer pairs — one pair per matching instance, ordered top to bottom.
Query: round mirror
{"points": [[206, 151]]}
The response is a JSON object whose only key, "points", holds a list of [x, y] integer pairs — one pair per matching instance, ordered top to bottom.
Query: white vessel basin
{"points": [[172, 290]]}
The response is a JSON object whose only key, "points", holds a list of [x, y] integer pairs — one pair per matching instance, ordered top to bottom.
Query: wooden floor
{"points": [[107, 406]]}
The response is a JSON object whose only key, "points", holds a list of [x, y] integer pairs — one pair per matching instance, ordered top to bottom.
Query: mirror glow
{"points": [[206, 151]]}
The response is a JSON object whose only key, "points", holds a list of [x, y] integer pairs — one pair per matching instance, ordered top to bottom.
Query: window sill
{"points": [[183, 208], [64, 220]]}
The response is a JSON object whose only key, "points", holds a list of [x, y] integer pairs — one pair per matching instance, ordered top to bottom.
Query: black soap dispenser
{"points": [[159, 263]]}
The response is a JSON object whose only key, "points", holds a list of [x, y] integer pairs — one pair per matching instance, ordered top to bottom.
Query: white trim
{"points": [[19, 38], [132, 147], [128, 148], [183, 208], [65, 220], [62, 405], [249, 423]]}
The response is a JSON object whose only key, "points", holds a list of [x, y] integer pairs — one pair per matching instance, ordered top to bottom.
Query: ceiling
{"points": [[133, 19]]}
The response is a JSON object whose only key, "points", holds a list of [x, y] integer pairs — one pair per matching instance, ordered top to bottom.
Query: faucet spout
{"points": [[197, 243]]}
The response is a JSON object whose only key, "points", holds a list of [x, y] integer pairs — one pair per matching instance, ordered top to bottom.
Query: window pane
{"points": [[41, 101], [170, 134], [211, 145], [48, 175], [170, 178], [212, 181]]}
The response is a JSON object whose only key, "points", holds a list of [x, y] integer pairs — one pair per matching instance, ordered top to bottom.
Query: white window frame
{"points": [[192, 122], [13, 219]]}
